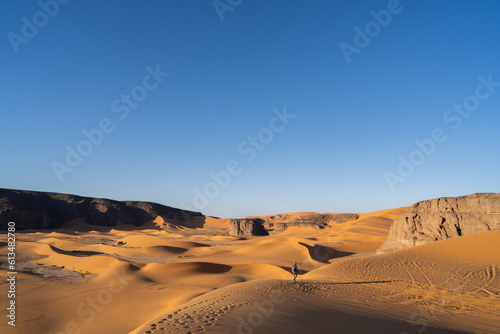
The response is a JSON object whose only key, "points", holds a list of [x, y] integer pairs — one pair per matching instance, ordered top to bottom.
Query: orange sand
{"points": [[169, 279]]}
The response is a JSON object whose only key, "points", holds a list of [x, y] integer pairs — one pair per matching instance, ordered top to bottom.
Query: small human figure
{"points": [[295, 271]]}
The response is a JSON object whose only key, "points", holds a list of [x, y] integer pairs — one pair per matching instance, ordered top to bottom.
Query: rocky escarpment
{"points": [[40, 210], [444, 218], [317, 221], [246, 227]]}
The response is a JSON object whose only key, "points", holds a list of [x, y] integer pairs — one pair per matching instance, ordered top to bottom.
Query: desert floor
{"points": [[168, 279]]}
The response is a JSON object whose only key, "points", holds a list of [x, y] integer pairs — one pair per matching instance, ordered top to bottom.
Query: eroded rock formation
{"points": [[444, 218], [317, 221], [246, 227]]}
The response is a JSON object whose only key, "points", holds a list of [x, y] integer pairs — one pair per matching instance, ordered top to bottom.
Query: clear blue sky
{"points": [[353, 123]]}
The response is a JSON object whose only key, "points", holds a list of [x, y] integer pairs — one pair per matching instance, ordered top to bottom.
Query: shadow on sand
{"points": [[75, 252], [323, 254], [359, 282]]}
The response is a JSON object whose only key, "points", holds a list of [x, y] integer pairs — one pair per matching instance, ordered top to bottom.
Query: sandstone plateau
{"points": [[40, 210], [444, 218], [315, 220]]}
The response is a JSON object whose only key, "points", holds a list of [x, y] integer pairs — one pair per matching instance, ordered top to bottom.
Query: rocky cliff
{"points": [[40, 210], [444, 218], [316, 221], [246, 227]]}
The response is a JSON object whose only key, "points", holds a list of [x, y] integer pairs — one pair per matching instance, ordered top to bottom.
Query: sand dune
{"points": [[181, 280], [401, 291]]}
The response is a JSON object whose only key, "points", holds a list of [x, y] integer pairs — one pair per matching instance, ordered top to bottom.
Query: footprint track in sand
{"points": [[491, 274], [197, 317]]}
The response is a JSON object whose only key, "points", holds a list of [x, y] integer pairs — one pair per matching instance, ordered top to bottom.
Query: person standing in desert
{"points": [[295, 271]]}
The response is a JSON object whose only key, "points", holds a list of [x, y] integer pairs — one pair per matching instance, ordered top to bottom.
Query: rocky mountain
{"points": [[40, 210], [444, 218]]}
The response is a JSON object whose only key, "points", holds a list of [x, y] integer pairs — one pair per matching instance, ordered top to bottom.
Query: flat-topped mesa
{"points": [[40, 210], [444, 218], [317, 221], [247, 227]]}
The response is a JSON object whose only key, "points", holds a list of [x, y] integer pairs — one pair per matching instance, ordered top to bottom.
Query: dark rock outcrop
{"points": [[41, 210], [340, 218], [444, 218], [317, 221], [247, 227]]}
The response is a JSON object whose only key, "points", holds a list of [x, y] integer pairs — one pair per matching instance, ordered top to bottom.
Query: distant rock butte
{"points": [[41, 210], [444, 218], [316, 221], [247, 227]]}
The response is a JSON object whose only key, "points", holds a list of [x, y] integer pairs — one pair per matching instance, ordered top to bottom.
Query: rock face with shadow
{"points": [[41, 210], [444, 218], [317, 221], [247, 227]]}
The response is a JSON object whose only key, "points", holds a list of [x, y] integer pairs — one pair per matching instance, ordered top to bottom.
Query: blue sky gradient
{"points": [[228, 79]]}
